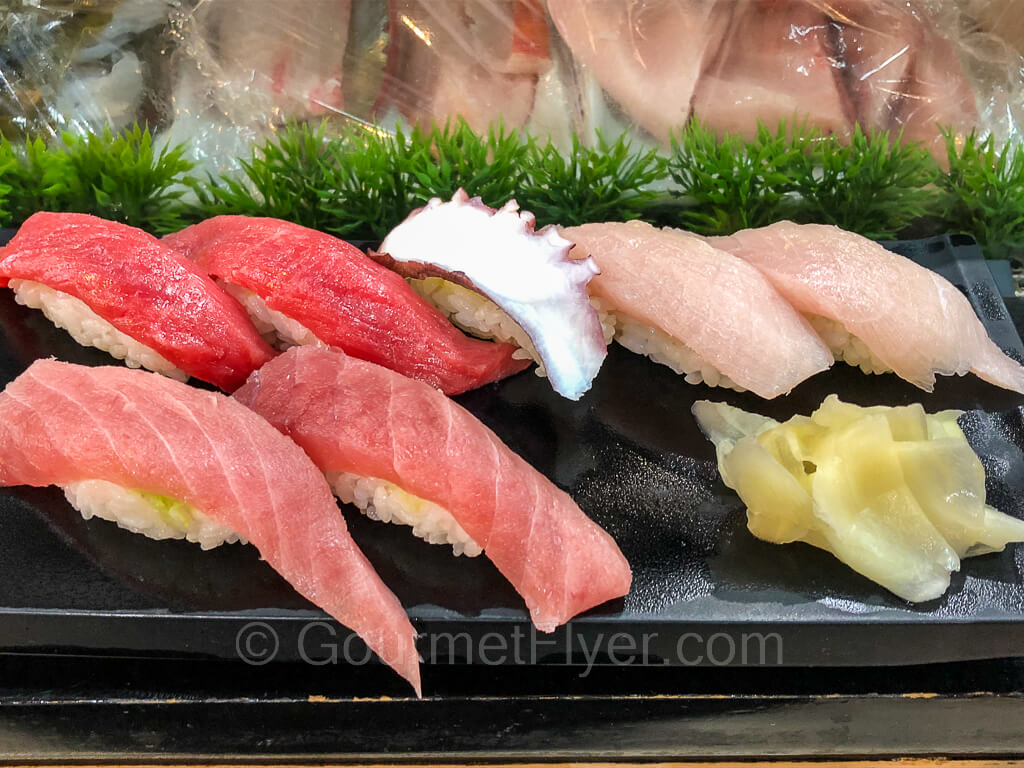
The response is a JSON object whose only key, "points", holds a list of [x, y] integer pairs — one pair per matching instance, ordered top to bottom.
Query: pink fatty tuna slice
{"points": [[647, 55], [774, 65], [148, 292], [717, 305], [912, 320], [351, 416], [62, 424]]}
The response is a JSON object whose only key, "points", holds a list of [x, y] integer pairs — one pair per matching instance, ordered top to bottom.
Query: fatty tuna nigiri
{"points": [[306, 287], [119, 289], [875, 309], [703, 312], [402, 451], [170, 461]]}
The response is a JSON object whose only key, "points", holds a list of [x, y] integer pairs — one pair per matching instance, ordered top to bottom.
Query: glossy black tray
{"points": [[705, 591]]}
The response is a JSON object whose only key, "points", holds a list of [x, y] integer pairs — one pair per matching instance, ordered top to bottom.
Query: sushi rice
{"points": [[478, 315], [89, 329], [277, 329], [847, 347], [661, 348], [386, 502], [152, 515], [162, 517]]}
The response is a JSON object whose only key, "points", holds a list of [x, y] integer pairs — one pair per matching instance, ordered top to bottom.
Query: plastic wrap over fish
{"points": [[78, 65], [905, 65], [554, 67], [220, 73]]}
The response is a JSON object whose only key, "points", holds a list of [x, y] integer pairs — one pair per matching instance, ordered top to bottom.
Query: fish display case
{"points": [[204, 74], [726, 646]]}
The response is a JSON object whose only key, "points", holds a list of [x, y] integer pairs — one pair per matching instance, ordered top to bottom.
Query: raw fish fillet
{"points": [[876, 43], [290, 54], [647, 55], [478, 59], [774, 65], [938, 94], [141, 287], [344, 298], [716, 304], [912, 319], [352, 416], [63, 423]]}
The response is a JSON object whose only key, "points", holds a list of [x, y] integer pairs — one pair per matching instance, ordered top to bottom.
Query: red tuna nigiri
{"points": [[147, 292], [341, 298], [354, 417], [62, 424]]}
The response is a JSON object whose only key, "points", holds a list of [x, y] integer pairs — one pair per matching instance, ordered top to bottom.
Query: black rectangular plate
{"points": [[632, 456]]}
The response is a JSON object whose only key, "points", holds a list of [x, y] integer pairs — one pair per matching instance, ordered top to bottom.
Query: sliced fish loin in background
{"points": [[875, 44], [291, 53], [648, 56], [478, 59], [774, 65], [241, 71], [938, 94], [494, 276], [306, 287], [121, 290], [876, 309], [699, 310], [119, 441], [402, 451]]}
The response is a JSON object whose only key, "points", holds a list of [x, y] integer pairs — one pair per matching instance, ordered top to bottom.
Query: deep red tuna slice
{"points": [[143, 288], [345, 299], [352, 416], [62, 423]]}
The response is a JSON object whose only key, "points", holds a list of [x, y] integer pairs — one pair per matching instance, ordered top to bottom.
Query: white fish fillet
{"points": [[647, 55], [773, 65], [716, 304], [912, 319]]}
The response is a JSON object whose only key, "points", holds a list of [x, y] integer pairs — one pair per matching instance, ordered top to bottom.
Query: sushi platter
{"points": [[631, 455]]}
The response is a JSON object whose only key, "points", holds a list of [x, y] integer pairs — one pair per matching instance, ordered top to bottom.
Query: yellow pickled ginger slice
{"points": [[895, 493]]}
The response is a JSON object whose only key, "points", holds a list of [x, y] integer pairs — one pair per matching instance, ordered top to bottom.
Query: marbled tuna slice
{"points": [[354, 417], [72, 425]]}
